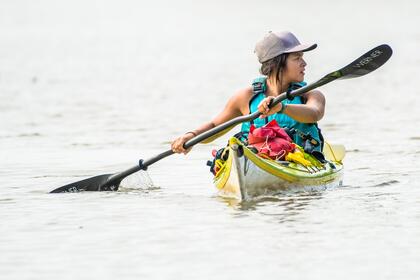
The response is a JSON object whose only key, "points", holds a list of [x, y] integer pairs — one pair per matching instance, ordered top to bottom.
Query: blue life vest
{"points": [[259, 86]]}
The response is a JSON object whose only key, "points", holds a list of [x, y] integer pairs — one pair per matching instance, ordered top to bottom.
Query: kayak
{"points": [[245, 175]]}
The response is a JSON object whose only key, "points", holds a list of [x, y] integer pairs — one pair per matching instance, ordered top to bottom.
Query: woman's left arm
{"points": [[310, 112]]}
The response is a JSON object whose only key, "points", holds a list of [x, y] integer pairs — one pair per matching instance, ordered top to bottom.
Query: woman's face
{"points": [[295, 67]]}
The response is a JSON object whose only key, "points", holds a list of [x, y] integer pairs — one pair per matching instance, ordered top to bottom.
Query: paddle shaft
{"points": [[365, 64], [199, 138], [143, 164]]}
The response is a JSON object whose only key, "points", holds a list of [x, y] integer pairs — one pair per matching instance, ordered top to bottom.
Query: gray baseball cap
{"points": [[277, 43]]}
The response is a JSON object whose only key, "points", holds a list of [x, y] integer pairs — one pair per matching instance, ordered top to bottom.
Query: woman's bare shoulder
{"points": [[244, 93], [241, 98]]}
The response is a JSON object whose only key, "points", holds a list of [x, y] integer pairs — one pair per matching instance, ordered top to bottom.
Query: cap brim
{"points": [[302, 48]]}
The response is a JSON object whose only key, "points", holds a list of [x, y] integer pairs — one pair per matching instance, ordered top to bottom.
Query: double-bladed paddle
{"points": [[365, 64]]}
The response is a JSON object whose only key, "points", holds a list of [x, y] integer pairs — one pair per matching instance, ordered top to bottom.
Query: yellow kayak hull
{"points": [[245, 175]]}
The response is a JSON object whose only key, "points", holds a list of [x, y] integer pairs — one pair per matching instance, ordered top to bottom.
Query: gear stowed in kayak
{"points": [[243, 174]]}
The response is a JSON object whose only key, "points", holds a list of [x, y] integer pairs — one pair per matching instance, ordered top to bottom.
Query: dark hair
{"points": [[274, 66]]}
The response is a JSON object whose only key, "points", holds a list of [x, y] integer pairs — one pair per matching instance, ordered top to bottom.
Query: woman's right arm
{"points": [[233, 109]]}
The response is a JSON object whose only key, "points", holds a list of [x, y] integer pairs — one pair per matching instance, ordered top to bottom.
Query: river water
{"points": [[90, 87]]}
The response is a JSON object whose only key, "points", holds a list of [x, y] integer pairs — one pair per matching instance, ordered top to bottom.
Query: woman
{"points": [[283, 67]]}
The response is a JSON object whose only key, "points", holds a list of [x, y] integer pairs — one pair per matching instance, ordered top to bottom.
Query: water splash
{"points": [[138, 181]]}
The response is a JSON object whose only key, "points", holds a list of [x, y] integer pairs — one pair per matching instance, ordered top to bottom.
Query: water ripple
{"points": [[386, 183]]}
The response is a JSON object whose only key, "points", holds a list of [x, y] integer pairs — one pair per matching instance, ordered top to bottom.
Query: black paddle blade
{"points": [[367, 63], [97, 183]]}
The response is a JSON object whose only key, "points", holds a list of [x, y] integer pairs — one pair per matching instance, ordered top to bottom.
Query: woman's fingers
{"points": [[266, 104], [264, 107], [177, 145]]}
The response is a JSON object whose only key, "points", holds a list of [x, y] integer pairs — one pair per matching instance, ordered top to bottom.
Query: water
{"points": [[90, 87]]}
